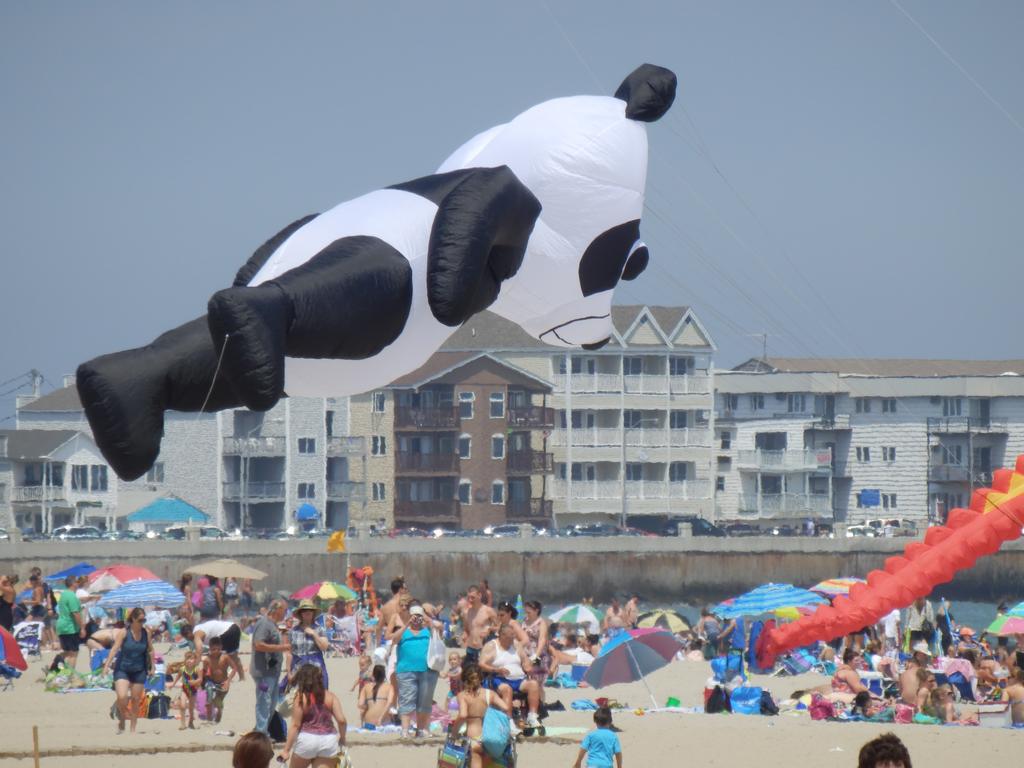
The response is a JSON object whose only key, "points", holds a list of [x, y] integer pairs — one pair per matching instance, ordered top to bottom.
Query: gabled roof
{"points": [[486, 330], [447, 365], [894, 367], [64, 399], [27, 444], [168, 510]]}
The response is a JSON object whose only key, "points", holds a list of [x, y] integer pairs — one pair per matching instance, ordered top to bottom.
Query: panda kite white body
{"points": [[536, 219]]}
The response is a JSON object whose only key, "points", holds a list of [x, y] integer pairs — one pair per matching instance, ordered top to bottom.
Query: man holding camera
{"points": [[266, 662]]}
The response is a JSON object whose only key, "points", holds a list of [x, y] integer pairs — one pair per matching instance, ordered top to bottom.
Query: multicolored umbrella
{"points": [[113, 576], [835, 587], [324, 590], [156, 593], [766, 599], [578, 614], [662, 618], [1007, 625], [10, 653], [631, 655]]}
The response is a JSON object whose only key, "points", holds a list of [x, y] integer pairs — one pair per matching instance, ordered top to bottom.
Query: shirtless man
{"points": [[390, 608], [631, 611], [614, 618], [478, 622], [217, 674], [909, 682], [1015, 697]]}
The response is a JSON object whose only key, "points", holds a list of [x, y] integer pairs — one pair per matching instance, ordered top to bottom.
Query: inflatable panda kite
{"points": [[537, 219]]}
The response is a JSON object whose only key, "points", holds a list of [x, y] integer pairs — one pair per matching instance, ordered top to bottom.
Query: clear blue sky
{"points": [[866, 200]]}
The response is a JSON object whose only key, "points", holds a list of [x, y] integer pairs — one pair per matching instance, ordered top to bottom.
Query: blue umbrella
{"points": [[306, 512], [82, 569], [142, 593], [767, 598], [632, 655]]}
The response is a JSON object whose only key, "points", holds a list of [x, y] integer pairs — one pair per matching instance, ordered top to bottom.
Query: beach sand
{"points": [[80, 722]]}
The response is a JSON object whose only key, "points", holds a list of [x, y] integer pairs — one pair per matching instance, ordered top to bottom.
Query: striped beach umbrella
{"points": [[106, 579], [835, 587], [324, 590], [138, 594], [767, 599], [578, 614], [662, 618]]}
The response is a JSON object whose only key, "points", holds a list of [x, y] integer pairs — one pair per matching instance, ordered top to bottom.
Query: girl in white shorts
{"points": [[317, 733]]}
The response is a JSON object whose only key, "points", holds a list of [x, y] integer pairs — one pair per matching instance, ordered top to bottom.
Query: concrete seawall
{"points": [[551, 570]]}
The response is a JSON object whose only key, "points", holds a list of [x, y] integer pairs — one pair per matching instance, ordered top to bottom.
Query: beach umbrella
{"points": [[226, 568], [81, 569], [113, 576], [835, 587], [324, 590], [134, 594], [766, 599], [520, 608], [1017, 610], [793, 613], [578, 614], [663, 619], [1006, 625], [10, 653], [631, 655]]}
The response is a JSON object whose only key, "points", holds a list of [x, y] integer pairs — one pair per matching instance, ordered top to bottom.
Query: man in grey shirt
{"points": [[266, 662]]}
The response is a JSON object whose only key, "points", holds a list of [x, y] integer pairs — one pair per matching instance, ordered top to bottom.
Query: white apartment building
{"points": [[852, 440]]}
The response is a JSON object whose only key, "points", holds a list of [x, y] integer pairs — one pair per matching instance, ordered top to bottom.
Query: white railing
{"points": [[589, 382], [645, 384], [694, 384], [612, 437], [587, 438], [684, 438], [254, 446], [781, 460], [254, 489], [587, 489], [633, 489], [690, 489], [37, 493], [785, 504]]}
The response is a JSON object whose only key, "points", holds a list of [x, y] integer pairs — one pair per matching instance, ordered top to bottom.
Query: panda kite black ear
{"points": [[648, 91]]}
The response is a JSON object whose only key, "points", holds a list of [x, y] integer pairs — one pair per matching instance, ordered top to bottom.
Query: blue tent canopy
{"points": [[168, 510], [306, 512], [82, 569]]}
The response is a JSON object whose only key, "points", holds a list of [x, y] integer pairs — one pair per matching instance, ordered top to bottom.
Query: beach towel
{"points": [[584, 705], [821, 708]]}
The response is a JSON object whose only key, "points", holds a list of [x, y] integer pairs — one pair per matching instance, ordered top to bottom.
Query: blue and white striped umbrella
{"points": [[143, 594], [767, 598]]}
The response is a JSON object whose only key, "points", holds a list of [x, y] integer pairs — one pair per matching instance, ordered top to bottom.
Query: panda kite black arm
{"points": [[478, 240]]}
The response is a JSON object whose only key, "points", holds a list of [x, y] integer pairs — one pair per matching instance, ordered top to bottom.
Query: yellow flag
{"points": [[337, 542]]}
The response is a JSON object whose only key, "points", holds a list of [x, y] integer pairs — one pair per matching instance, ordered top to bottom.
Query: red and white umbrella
{"points": [[113, 576]]}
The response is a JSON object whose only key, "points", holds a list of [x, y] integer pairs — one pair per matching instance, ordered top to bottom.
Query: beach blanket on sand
{"points": [[65, 680]]}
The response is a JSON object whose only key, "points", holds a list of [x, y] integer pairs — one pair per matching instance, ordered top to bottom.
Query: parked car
{"points": [[893, 526], [698, 527], [594, 529], [742, 529], [860, 530], [503, 531], [76, 533], [180, 533], [4, 536], [122, 536]]}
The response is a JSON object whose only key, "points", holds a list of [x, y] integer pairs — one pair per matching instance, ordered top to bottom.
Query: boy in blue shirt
{"points": [[600, 744]]}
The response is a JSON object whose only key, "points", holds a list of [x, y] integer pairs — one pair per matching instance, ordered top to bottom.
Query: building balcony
{"points": [[609, 383], [645, 384], [694, 384], [532, 417], [427, 418], [838, 421], [954, 425], [649, 438], [346, 445], [254, 446], [785, 461], [436, 463], [530, 463], [949, 473], [586, 489], [632, 489], [261, 490], [346, 490], [33, 493], [771, 505], [436, 510], [528, 510]]}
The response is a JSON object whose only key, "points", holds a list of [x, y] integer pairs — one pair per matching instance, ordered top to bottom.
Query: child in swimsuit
{"points": [[454, 674], [190, 676]]}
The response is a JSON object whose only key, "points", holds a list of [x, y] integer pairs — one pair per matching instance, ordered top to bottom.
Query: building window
{"points": [[632, 366], [680, 366], [379, 400], [466, 400], [732, 402], [757, 402], [796, 403], [862, 404], [497, 405], [889, 405], [952, 406], [632, 419], [679, 419], [329, 423], [726, 441], [307, 445], [379, 445], [465, 446], [498, 447], [888, 453], [863, 454], [953, 455], [583, 471], [634, 471], [677, 471], [154, 475], [79, 477], [99, 477], [720, 483], [307, 490], [377, 492], [465, 492], [497, 492], [888, 501]]}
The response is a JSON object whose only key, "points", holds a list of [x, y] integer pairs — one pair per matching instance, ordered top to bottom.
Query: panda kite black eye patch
{"points": [[603, 261], [637, 263]]}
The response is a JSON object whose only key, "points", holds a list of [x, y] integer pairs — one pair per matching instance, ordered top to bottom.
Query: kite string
{"points": [[213, 381]]}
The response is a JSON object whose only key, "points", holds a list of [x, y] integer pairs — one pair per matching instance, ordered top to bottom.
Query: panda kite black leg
{"points": [[349, 302], [125, 394]]}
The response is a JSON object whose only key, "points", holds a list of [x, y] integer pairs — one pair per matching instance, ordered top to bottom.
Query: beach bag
{"points": [[197, 598], [209, 606], [436, 652], [725, 668], [746, 700], [718, 701], [768, 705], [159, 707], [821, 708], [904, 713], [277, 729], [496, 732]]}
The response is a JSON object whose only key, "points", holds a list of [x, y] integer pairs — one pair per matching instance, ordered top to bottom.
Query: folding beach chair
{"points": [[29, 634], [963, 687]]}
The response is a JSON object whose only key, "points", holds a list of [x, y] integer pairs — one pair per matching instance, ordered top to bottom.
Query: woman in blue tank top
{"points": [[132, 661], [416, 680]]}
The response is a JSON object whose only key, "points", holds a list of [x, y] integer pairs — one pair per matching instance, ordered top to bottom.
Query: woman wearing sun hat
{"points": [[308, 642]]}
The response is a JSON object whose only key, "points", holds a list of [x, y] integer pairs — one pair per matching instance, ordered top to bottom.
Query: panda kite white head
{"points": [[585, 159]]}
